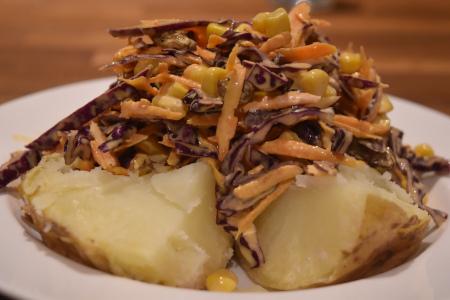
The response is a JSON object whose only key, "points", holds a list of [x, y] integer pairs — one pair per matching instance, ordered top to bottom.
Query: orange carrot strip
{"points": [[298, 16], [200, 35], [214, 40], [278, 41], [314, 50], [206, 54], [232, 58], [366, 69], [165, 77], [141, 83], [282, 101], [145, 109], [206, 120], [227, 123], [360, 127], [97, 133], [131, 141], [166, 142], [305, 151], [174, 158], [108, 161], [214, 164], [267, 180], [245, 222]]}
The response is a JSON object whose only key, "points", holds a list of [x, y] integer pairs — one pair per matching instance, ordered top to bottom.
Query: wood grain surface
{"points": [[46, 43]]}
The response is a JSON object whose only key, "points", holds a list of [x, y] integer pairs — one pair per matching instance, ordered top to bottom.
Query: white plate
{"points": [[28, 270]]}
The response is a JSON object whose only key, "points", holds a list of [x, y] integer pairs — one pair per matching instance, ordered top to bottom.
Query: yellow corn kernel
{"points": [[259, 22], [277, 22], [243, 27], [214, 28], [349, 62], [142, 64], [195, 72], [210, 79], [315, 82], [176, 89], [330, 92], [172, 103], [385, 105], [382, 119], [290, 135], [151, 146], [424, 150], [404, 183], [425, 199], [222, 280]]}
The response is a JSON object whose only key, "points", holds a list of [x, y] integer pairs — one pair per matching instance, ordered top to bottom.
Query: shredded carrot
{"points": [[298, 16], [200, 35], [215, 40], [278, 41], [126, 51], [312, 51], [232, 58], [366, 64], [165, 77], [142, 83], [285, 100], [145, 109], [206, 120], [227, 123], [360, 128], [131, 141], [166, 142], [205, 143], [305, 151], [174, 158], [108, 161], [214, 164], [267, 180], [245, 222]]}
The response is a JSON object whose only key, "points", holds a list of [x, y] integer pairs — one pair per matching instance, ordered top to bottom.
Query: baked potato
{"points": [[158, 228], [332, 229]]}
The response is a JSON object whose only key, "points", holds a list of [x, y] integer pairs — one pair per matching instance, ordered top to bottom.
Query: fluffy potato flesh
{"points": [[158, 228], [337, 229]]}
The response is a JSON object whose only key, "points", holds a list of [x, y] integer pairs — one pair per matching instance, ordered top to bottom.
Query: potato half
{"points": [[157, 228], [332, 229]]}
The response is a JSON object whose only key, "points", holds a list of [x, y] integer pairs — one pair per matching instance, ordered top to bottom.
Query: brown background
{"points": [[46, 43]]}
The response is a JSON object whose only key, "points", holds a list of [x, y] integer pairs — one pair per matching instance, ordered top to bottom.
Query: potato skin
{"points": [[388, 238], [59, 239]]}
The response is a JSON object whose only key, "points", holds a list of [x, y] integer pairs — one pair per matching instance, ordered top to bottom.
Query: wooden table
{"points": [[50, 43]]}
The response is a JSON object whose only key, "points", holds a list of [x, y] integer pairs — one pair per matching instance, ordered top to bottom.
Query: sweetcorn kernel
{"points": [[259, 22], [277, 22], [272, 23], [243, 27], [214, 28], [349, 62], [195, 72], [210, 80], [315, 82], [177, 90], [330, 92], [172, 103], [386, 105], [382, 119], [424, 150], [222, 280]]}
